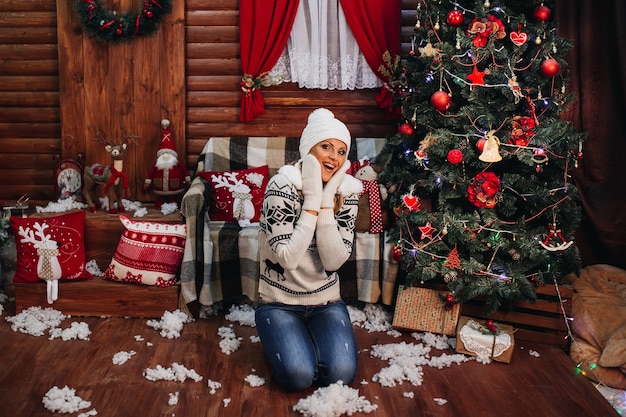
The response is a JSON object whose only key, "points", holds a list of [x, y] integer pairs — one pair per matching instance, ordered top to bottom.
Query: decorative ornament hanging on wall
{"points": [[111, 26]]}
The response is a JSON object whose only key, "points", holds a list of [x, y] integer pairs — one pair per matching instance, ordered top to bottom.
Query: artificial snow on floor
{"points": [[36, 321], [171, 323], [229, 342], [120, 358], [405, 361], [176, 372], [64, 400], [333, 401]]}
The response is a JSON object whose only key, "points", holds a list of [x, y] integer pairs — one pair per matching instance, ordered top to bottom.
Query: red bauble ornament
{"points": [[542, 13], [455, 18], [550, 67], [440, 100], [405, 129], [480, 144], [455, 156], [396, 253], [449, 302]]}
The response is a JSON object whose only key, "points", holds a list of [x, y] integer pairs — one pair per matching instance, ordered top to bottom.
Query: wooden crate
{"points": [[100, 297], [542, 322]]}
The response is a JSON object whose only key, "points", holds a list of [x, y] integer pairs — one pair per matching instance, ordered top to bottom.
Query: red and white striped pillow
{"points": [[148, 253]]}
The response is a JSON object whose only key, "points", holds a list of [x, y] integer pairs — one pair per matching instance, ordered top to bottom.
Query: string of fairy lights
{"points": [[618, 400]]}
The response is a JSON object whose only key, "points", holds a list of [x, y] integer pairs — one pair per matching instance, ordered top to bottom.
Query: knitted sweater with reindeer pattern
{"points": [[299, 253]]}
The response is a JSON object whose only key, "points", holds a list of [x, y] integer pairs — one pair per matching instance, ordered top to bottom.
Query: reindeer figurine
{"points": [[111, 176], [48, 266]]}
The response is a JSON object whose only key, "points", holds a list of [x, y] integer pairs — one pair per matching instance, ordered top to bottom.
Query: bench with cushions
{"points": [[221, 260]]}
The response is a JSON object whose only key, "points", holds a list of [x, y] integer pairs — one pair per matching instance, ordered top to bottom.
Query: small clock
{"points": [[69, 179]]}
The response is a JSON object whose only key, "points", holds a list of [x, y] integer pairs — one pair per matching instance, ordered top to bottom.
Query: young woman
{"points": [[306, 234]]}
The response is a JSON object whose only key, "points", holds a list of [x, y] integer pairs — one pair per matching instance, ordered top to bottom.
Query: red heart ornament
{"points": [[518, 38], [410, 201]]}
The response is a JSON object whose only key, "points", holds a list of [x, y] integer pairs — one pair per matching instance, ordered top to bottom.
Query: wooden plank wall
{"points": [[121, 89], [57, 91], [30, 132]]}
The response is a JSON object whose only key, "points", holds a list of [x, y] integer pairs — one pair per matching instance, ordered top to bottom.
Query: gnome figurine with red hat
{"points": [[168, 177]]}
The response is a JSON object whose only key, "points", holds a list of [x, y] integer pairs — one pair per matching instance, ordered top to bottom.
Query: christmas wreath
{"points": [[110, 26]]}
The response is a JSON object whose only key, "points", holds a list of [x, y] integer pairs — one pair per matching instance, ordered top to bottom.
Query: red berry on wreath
{"points": [[542, 13], [455, 18], [550, 67], [440, 100], [406, 129], [455, 156]]}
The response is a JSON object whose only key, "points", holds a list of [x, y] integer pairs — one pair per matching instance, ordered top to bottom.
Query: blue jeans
{"points": [[307, 344]]}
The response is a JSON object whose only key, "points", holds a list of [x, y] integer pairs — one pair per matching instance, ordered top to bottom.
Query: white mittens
{"points": [[311, 183]]}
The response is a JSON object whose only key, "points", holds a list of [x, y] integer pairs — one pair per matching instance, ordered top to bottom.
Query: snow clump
{"points": [[171, 323]]}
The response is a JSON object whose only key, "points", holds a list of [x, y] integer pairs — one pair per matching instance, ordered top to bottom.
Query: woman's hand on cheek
{"points": [[311, 183]]}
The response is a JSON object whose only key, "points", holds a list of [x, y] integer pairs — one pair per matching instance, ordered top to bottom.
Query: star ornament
{"points": [[476, 77], [427, 231]]}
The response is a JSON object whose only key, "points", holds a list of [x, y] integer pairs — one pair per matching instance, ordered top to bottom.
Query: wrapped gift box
{"points": [[424, 309], [472, 340]]}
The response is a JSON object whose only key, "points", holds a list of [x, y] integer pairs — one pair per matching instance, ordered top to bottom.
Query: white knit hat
{"points": [[322, 125]]}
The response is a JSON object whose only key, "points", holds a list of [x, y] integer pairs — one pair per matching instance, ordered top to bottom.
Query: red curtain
{"points": [[376, 25], [264, 27], [598, 73]]}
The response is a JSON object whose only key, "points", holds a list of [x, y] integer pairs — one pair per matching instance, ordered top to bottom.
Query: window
{"points": [[322, 51]]}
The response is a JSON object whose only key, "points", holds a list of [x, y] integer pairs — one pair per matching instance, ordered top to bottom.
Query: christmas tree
{"points": [[478, 172]]}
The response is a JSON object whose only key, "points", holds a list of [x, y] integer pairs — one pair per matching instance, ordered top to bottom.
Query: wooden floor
{"points": [[544, 386]]}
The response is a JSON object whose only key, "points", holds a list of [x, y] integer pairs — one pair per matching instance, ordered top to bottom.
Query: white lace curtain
{"points": [[321, 51]]}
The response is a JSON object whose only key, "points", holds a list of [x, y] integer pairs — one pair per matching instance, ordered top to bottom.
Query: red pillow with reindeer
{"points": [[237, 195], [56, 241]]}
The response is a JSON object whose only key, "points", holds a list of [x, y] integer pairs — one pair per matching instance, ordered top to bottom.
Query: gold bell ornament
{"points": [[491, 151]]}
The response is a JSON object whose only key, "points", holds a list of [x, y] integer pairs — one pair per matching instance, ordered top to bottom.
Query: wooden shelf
{"points": [[100, 297]]}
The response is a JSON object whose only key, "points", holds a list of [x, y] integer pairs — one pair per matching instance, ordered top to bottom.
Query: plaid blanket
{"points": [[216, 253], [221, 260]]}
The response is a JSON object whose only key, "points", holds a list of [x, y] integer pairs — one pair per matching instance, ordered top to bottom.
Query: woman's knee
{"points": [[340, 370], [296, 378]]}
